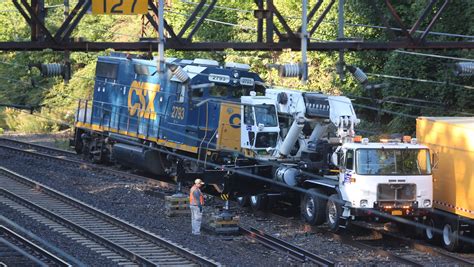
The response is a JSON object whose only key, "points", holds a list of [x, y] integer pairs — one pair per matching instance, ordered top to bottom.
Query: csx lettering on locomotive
{"points": [[145, 106]]}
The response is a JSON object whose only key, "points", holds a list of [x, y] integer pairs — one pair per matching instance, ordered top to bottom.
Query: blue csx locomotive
{"points": [[180, 123]]}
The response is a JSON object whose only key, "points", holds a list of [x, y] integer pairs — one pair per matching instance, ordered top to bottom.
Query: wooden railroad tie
{"points": [[176, 205], [224, 223]]}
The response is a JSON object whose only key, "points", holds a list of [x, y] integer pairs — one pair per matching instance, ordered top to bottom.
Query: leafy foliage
{"points": [[234, 21]]}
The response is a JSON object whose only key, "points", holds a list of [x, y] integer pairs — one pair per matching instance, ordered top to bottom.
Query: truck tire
{"points": [[242, 201], [258, 202], [313, 208], [334, 213], [429, 234], [450, 237]]}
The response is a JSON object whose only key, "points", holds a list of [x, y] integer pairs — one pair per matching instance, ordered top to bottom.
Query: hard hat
{"points": [[198, 181]]}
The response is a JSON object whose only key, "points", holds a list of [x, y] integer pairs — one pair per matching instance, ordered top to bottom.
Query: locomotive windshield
{"points": [[266, 115], [393, 162]]}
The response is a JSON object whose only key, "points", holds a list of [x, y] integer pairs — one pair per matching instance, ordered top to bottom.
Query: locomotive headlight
{"points": [[364, 203], [426, 203]]}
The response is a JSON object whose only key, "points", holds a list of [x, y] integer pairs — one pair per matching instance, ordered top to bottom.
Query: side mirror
{"points": [[261, 126], [434, 160]]}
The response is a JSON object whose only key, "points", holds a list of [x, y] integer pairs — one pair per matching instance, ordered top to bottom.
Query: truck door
{"points": [[347, 166]]}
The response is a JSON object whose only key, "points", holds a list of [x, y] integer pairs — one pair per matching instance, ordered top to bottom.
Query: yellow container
{"points": [[451, 141]]}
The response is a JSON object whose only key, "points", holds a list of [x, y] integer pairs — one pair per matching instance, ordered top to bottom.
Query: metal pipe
{"points": [[161, 37], [340, 37], [304, 42]]}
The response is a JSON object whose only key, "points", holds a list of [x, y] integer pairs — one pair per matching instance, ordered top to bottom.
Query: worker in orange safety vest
{"points": [[196, 202]]}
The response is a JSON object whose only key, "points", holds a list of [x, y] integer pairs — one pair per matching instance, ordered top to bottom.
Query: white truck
{"points": [[311, 138]]}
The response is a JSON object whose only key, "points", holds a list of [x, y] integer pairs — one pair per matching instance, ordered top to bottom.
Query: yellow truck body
{"points": [[451, 141]]}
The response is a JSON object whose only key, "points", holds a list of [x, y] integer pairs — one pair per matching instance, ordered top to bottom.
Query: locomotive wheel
{"points": [[242, 201], [258, 202], [313, 208], [334, 213], [450, 238]]}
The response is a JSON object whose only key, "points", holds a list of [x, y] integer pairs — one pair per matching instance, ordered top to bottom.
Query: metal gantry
{"points": [[273, 32]]}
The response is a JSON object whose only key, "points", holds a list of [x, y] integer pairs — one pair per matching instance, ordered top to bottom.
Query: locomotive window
{"points": [[141, 69], [106, 70], [181, 91], [218, 91], [199, 92], [237, 92]]}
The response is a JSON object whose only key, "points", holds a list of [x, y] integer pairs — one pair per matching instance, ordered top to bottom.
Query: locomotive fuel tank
{"points": [[138, 158]]}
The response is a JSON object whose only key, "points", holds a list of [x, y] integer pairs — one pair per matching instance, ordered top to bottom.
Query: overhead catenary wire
{"points": [[216, 21], [432, 55], [420, 80]]}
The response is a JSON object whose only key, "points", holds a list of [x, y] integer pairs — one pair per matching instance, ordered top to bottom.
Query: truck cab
{"points": [[260, 128], [391, 176]]}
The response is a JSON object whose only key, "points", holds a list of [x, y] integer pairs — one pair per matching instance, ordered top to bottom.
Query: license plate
{"points": [[397, 212]]}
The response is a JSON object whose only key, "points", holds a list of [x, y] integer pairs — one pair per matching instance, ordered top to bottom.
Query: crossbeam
{"points": [[273, 32]]}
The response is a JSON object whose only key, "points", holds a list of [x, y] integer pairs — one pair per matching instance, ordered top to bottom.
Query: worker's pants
{"points": [[196, 218]]}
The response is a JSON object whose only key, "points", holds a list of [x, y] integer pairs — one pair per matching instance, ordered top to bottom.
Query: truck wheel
{"points": [[242, 201], [257, 202], [313, 208], [334, 213], [429, 234], [450, 237]]}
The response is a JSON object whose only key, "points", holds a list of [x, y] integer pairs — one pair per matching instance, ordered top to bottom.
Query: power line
{"points": [[216, 21], [432, 55], [420, 80]]}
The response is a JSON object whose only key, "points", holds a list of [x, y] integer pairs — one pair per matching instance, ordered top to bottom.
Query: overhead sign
{"points": [[120, 7]]}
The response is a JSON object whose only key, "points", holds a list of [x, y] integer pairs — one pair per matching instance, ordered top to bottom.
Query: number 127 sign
{"points": [[120, 7]]}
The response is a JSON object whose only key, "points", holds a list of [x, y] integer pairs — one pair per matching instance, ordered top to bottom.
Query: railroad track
{"points": [[38, 148], [75, 161], [108, 236], [393, 246], [15, 250], [291, 250], [414, 250]]}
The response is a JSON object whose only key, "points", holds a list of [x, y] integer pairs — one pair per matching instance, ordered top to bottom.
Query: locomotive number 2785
{"points": [[177, 113]]}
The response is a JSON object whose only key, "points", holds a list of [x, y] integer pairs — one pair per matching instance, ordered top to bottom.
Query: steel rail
{"points": [[67, 152], [88, 165], [71, 208], [74, 227], [358, 244], [423, 247], [293, 251], [382, 252], [48, 256]]}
